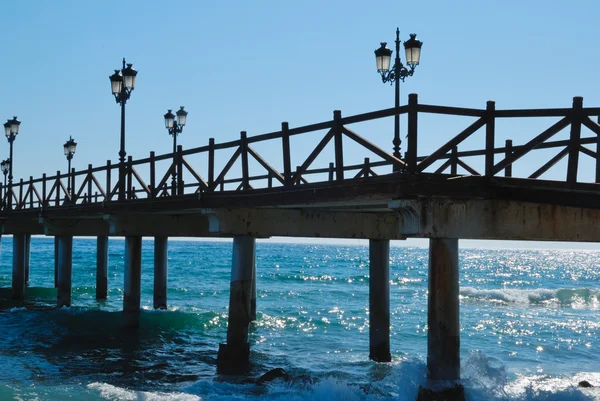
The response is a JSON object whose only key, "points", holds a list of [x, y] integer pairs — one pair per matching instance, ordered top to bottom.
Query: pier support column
{"points": [[161, 248], [27, 260], [55, 262], [102, 267], [65, 270], [18, 271], [133, 278], [253, 292], [379, 300], [443, 337], [234, 356]]}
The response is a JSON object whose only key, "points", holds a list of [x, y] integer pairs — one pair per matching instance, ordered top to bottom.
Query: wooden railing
{"points": [[100, 184]]}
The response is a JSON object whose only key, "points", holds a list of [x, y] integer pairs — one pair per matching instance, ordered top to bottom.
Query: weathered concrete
{"points": [[501, 220], [304, 223], [19, 225], [159, 225], [85, 226], [161, 249], [27, 260], [55, 262], [102, 267], [18, 270], [65, 270], [132, 285], [253, 292], [379, 300], [443, 337], [234, 355]]}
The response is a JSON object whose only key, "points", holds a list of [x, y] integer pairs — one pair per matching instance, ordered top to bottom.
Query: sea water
{"points": [[530, 326]]}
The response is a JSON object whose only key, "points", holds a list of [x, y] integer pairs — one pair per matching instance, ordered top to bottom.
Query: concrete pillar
{"points": [[27, 259], [55, 262], [102, 267], [65, 270], [18, 272], [160, 272], [133, 278], [253, 292], [379, 300], [443, 339], [235, 354]]}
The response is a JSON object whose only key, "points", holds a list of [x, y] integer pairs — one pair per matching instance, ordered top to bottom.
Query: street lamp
{"points": [[398, 73], [122, 84], [175, 127], [11, 129], [70, 148], [4, 168]]}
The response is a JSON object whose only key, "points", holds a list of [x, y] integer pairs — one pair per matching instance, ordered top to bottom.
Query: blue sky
{"points": [[242, 65]]}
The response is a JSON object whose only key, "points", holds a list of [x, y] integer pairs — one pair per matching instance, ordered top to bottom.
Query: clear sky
{"points": [[248, 65]]}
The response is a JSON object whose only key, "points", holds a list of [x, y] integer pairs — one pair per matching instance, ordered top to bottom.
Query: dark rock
{"points": [[273, 374], [585, 383], [456, 393]]}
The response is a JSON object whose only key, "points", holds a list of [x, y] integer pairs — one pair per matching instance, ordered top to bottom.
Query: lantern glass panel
{"points": [[413, 56], [181, 117]]}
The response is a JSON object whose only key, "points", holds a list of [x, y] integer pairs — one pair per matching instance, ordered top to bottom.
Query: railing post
{"points": [[490, 126], [574, 140], [411, 145], [244, 149], [339, 150], [507, 154], [598, 155], [287, 161], [454, 161], [211, 164], [366, 167], [331, 171], [152, 175], [129, 176], [297, 176], [269, 179], [108, 182], [180, 183], [89, 186], [31, 192], [73, 194], [44, 200], [57, 200], [21, 202]]}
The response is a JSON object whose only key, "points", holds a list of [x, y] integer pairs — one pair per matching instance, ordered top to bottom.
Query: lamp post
{"points": [[398, 73], [122, 83], [175, 127], [11, 129], [70, 148], [4, 168]]}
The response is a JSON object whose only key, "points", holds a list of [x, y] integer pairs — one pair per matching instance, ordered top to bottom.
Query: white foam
{"points": [[576, 298], [114, 393]]}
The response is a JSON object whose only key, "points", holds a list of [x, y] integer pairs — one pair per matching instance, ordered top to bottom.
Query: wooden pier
{"points": [[437, 196]]}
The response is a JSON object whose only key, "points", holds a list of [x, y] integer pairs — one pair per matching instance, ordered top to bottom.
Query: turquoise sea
{"points": [[530, 326]]}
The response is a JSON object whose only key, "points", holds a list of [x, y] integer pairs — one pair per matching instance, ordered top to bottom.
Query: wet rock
{"points": [[273, 374], [585, 383], [456, 393]]}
